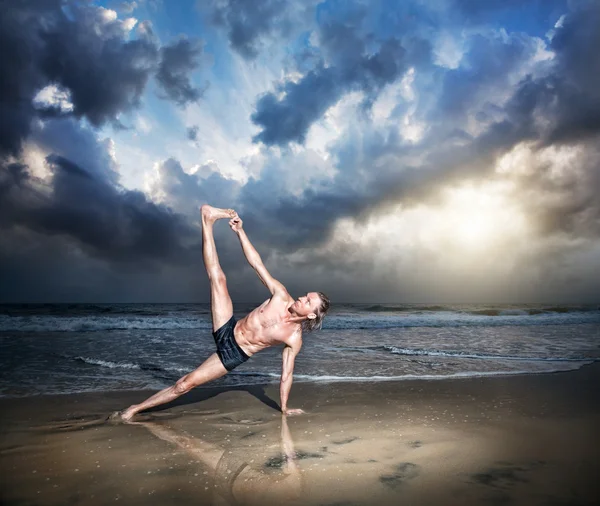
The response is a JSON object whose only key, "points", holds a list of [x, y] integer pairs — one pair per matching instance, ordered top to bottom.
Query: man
{"points": [[278, 320]]}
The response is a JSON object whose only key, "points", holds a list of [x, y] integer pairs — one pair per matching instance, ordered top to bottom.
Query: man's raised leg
{"points": [[220, 301], [222, 311]]}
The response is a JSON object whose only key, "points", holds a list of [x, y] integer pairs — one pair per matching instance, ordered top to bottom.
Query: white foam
{"points": [[436, 353], [108, 363], [128, 365], [402, 377]]}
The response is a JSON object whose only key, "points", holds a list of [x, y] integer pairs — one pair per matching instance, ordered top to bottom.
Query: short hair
{"points": [[309, 325]]}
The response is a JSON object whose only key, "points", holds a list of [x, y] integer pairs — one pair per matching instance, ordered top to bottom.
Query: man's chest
{"points": [[269, 323]]}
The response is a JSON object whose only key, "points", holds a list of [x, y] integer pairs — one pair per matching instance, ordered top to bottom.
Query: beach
{"points": [[520, 439]]}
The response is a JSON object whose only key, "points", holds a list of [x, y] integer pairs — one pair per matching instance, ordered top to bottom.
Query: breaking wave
{"points": [[97, 323]]}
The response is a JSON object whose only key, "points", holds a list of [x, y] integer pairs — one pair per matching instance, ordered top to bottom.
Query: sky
{"points": [[378, 151]]}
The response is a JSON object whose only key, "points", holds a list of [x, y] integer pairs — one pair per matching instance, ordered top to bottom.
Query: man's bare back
{"points": [[278, 320]]}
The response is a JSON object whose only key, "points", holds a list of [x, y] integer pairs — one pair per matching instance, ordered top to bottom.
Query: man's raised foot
{"points": [[211, 214]]}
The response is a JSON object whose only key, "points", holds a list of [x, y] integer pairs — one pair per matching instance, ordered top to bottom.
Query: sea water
{"points": [[66, 348]]}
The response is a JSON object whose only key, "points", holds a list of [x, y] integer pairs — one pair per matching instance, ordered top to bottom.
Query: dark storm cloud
{"points": [[247, 21], [89, 55], [176, 63], [352, 68], [105, 76], [21, 77], [577, 80], [569, 98], [304, 103], [67, 138], [103, 220], [291, 222], [41, 268]]}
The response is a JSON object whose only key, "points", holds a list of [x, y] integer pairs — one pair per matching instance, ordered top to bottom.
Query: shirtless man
{"points": [[278, 320]]}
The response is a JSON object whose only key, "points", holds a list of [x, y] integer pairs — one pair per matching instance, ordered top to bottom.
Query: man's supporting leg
{"points": [[222, 311], [211, 369]]}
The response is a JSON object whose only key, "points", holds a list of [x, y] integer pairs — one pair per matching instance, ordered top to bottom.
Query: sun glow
{"points": [[475, 218], [469, 227]]}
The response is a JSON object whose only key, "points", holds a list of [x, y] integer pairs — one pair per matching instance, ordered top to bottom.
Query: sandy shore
{"points": [[528, 440]]}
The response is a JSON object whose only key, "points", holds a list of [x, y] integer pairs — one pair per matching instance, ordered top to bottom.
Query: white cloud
{"points": [[106, 15], [106, 23], [129, 24], [559, 24], [448, 49], [54, 96], [388, 99], [331, 127], [411, 129], [35, 158], [525, 159], [135, 164]]}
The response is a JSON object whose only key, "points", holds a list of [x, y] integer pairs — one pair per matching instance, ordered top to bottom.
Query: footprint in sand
{"points": [[345, 441], [278, 461], [403, 472], [505, 474]]}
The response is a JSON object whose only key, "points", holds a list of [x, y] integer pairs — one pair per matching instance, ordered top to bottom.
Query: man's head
{"points": [[313, 306]]}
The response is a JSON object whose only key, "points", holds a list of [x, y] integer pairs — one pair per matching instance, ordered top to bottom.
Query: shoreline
{"points": [[593, 362], [521, 439]]}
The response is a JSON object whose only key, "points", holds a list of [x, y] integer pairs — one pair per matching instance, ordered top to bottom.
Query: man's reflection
{"points": [[236, 479]]}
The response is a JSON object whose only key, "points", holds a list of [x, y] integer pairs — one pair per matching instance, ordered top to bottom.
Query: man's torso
{"points": [[267, 326]]}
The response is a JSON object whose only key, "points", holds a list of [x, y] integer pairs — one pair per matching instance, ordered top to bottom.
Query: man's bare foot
{"points": [[211, 214], [293, 412], [128, 414], [122, 416], [116, 418]]}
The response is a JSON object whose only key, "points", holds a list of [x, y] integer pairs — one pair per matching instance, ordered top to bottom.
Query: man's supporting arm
{"points": [[255, 260], [289, 356]]}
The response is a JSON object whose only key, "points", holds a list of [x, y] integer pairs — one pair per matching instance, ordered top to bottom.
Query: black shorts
{"points": [[228, 349]]}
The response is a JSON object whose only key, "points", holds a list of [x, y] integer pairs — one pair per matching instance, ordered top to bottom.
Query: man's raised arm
{"points": [[254, 259]]}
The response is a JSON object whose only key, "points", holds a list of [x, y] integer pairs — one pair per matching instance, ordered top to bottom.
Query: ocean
{"points": [[67, 348]]}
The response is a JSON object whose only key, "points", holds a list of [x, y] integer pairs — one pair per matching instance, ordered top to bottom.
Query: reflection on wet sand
{"points": [[237, 478]]}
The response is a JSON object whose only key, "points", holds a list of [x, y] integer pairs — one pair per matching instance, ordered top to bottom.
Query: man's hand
{"points": [[236, 223], [292, 412]]}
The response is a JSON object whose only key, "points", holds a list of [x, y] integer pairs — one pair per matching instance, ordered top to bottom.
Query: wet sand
{"points": [[529, 440]]}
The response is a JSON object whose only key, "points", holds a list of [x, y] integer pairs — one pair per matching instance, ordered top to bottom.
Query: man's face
{"points": [[307, 304]]}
